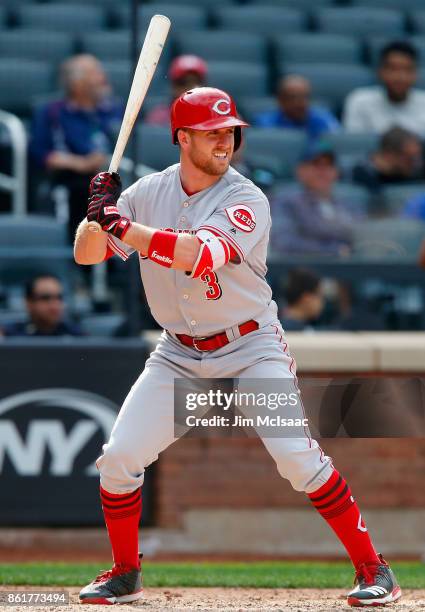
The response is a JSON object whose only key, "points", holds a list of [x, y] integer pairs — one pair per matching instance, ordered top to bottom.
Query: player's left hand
{"points": [[103, 210]]}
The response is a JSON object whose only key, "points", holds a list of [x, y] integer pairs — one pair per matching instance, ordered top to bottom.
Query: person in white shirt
{"points": [[395, 101]]}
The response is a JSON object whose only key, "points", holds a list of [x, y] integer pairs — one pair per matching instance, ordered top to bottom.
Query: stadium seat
{"points": [[304, 5], [401, 5], [3, 17], [61, 17], [182, 17], [260, 19], [359, 21], [417, 21], [36, 45], [116, 45], [223, 45], [313, 47], [120, 74], [238, 78], [21, 81], [332, 82], [153, 100], [251, 106], [284, 145], [353, 145], [155, 147], [394, 197], [354, 198], [32, 231], [384, 239], [102, 325]]}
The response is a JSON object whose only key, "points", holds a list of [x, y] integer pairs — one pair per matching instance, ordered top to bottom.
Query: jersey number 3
{"points": [[214, 290]]}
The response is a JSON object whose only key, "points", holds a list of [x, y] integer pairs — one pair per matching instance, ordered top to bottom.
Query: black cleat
{"points": [[121, 584], [376, 585]]}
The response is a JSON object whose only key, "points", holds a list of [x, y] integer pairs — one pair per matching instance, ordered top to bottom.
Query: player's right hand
{"points": [[105, 183]]}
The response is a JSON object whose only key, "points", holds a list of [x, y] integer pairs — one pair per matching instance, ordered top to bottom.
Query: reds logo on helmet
{"points": [[222, 106], [242, 217]]}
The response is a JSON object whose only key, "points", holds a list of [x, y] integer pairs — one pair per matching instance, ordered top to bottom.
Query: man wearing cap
{"points": [[186, 72], [308, 218], [200, 231]]}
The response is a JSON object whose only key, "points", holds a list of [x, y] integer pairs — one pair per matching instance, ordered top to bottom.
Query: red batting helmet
{"points": [[205, 108]]}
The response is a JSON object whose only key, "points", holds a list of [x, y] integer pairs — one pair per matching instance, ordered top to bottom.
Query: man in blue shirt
{"points": [[295, 111], [72, 137]]}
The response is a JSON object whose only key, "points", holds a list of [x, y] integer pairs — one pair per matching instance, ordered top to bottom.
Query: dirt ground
{"points": [[208, 599]]}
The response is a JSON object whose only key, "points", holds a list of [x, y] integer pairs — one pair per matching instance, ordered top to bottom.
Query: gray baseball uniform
{"points": [[236, 210]]}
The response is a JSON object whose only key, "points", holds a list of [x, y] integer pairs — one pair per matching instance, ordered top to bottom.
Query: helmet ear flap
{"points": [[238, 138]]}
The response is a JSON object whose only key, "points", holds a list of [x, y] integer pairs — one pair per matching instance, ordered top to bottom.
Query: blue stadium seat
{"points": [[304, 5], [401, 5], [3, 17], [61, 17], [182, 17], [261, 19], [360, 21], [417, 21], [36, 45], [115, 45], [219, 45], [314, 47], [120, 74], [238, 78], [21, 81], [332, 82], [152, 100], [251, 106], [284, 145], [354, 145], [155, 147], [396, 196], [354, 198], [32, 231], [385, 239], [34, 244], [102, 325]]}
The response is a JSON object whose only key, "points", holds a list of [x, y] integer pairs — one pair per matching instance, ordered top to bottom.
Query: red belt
{"points": [[212, 343]]}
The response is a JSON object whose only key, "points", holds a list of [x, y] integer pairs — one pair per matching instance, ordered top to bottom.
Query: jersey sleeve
{"points": [[126, 208], [242, 220]]}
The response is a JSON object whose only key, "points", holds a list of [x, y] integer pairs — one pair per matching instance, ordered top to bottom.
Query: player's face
{"points": [[211, 151], [46, 305]]}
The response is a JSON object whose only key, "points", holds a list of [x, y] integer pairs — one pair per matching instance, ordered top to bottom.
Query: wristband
{"points": [[161, 248]]}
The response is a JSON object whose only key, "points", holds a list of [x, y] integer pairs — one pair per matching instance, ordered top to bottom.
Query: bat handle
{"points": [[94, 226]]}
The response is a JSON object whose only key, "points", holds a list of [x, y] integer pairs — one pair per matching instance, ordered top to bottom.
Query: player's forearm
{"points": [[89, 247], [186, 249]]}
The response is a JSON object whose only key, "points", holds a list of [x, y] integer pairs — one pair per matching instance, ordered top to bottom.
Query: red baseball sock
{"points": [[337, 506], [122, 515]]}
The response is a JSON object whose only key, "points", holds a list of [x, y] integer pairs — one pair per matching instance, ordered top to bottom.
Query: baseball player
{"points": [[200, 230]]}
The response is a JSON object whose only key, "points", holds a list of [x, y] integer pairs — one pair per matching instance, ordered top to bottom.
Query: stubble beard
{"points": [[208, 166]]}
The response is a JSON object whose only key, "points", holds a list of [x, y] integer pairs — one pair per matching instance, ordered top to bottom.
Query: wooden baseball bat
{"points": [[148, 61]]}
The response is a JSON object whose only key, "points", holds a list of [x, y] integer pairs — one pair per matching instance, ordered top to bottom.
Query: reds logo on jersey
{"points": [[242, 217]]}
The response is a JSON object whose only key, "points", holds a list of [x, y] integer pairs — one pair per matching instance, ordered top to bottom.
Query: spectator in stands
{"points": [[185, 72], [395, 101], [295, 110], [73, 136], [398, 160], [415, 208], [309, 219], [304, 300], [45, 307]]}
